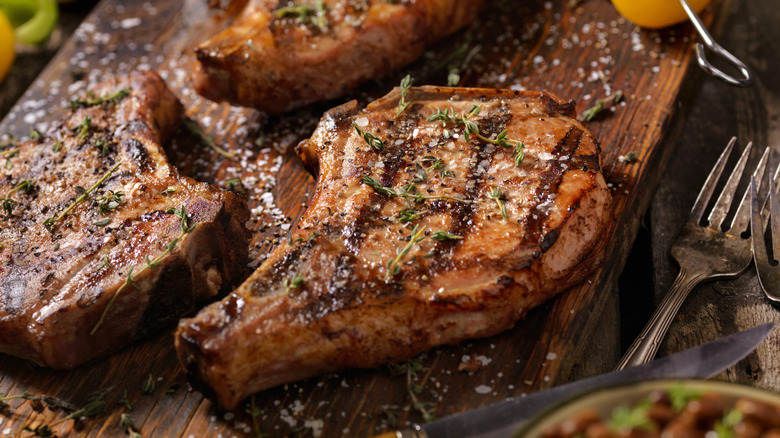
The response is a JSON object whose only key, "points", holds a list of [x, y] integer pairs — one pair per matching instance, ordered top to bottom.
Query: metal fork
{"points": [[703, 252], [768, 270]]}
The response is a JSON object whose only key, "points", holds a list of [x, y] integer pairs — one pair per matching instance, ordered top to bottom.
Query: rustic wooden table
{"points": [[676, 124]]}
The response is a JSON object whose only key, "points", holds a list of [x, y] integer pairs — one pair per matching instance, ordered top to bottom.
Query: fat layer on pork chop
{"points": [[279, 55], [440, 216], [102, 241]]}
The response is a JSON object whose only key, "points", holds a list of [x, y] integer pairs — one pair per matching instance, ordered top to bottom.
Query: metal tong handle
{"points": [[701, 56]]}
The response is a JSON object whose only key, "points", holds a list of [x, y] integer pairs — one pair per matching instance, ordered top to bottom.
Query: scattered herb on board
{"points": [[406, 83], [92, 100], [602, 104], [83, 128], [193, 128], [471, 128], [35, 134], [376, 143], [629, 157], [235, 185], [84, 194], [499, 197], [186, 228], [393, 267], [413, 368], [148, 386], [125, 401], [96, 404], [253, 411], [127, 423]]}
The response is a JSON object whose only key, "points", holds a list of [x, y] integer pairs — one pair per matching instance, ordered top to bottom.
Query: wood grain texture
{"points": [[581, 52], [753, 114]]}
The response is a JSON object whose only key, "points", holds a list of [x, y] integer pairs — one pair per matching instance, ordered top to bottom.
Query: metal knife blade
{"points": [[500, 419]]}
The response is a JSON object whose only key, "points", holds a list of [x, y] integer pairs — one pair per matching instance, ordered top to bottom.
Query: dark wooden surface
{"points": [[581, 52], [715, 309]]}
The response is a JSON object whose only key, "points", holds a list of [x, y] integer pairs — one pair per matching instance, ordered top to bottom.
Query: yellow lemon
{"points": [[656, 13], [6, 45]]}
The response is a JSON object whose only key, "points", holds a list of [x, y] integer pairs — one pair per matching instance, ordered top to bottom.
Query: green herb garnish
{"points": [[406, 83], [114, 97], [602, 104], [376, 143], [84, 194], [499, 197], [443, 236], [393, 267], [296, 281]]}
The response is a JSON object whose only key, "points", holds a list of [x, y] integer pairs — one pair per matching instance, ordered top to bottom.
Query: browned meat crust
{"points": [[277, 62], [60, 268], [369, 278]]}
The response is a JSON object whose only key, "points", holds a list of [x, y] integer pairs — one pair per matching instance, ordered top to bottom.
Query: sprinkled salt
{"points": [[129, 23], [551, 356], [483, 389]]}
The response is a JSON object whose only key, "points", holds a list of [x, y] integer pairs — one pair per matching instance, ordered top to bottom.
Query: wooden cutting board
{"points": [[579, 50]]}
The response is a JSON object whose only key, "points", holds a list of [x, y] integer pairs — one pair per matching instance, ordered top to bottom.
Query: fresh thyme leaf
{"points": [[306, 14], [251, 45], [406, 83], [114, 97], [602, 104], [84, 128], [193, 128], [471, 128], [35, 134], [376, 143], [102, 145], [56, 147], [519, 153], [629, 157], [432, 162], [448, 173], [420, 175], [235, 185], [377, 185], [168, 191], [405, 193], [499, 197], [8, 202], [109, 202], [408, 215], [50, 222], [103, 223], [443, 236], [393, 267], [296, 281], [148, 386], [172, 388], [125, 401], [96, 404], [253, 411], [127, 423], [724, 427], [42, 431]]}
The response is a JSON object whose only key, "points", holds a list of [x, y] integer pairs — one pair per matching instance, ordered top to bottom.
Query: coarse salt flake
{"points": [[129, 23], [483, 389]]}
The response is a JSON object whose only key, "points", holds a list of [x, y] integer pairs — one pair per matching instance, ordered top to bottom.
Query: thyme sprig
{"points": [[307, 14], [406, 83], [114, 97], [602, 104], [83, 128], [193, 128], [471, 128], [376, 143], [9, 152], [404, 192], [499, 197], [109, 202], [8, 203], [181, 213], [50, 222], [443, 236], [393, 267], [295, 281], [413, 368], [96, 404], [253, 411], [127, 423]]}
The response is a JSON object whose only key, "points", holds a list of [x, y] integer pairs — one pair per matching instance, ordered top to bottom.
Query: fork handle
{"points": [[646, 344]]}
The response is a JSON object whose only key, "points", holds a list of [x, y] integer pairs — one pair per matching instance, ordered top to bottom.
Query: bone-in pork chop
{"points": [[279, 55], [437, 217], [97, 245]]}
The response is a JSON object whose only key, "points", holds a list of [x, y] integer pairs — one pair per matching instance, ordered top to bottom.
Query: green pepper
{"points": [[33, 20]]}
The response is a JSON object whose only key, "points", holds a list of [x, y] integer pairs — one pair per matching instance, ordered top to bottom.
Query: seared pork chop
{"points": [[279, 55], [417, 235], [97, 247]]}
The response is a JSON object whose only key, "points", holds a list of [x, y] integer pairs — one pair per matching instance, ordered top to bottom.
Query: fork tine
{"points": [[709, 185], [722, 205], [741, 218], [775, 221], [756, 225]]}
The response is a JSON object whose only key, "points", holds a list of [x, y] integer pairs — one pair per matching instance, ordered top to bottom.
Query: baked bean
{"points": [[707, 409], [763, 413], [661, 414], [577, 425], [682, 428], [748, 429], [599, 430], [772, 433]]}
